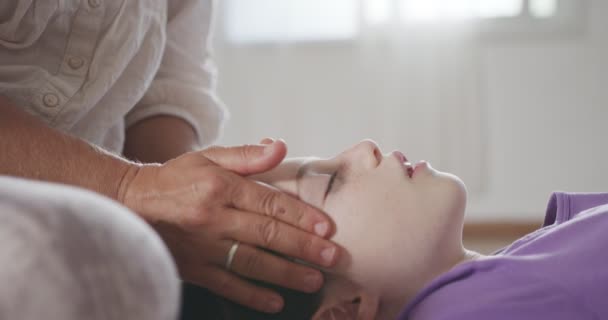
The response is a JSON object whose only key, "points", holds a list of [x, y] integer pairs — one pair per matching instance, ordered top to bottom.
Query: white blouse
{"points": [[92, 68]]}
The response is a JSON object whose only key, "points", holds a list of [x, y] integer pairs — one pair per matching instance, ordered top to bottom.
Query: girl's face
{"points": [[393, 220]]}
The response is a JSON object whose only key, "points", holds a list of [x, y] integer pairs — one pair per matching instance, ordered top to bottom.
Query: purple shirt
{"points": [[557, 272]]}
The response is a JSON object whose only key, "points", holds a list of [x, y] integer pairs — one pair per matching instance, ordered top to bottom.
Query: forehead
{"points": [[313, 165], [286, 176]]}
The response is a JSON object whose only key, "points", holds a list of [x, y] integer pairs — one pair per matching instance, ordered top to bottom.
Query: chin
{"points": [[454, 191]]}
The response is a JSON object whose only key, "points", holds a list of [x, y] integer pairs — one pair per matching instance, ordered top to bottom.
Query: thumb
{"points": [[248, 159]]}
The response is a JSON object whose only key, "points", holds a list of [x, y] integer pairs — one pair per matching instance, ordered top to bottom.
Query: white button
{"points": [[94, 3], [75, 62], [50, 100]]}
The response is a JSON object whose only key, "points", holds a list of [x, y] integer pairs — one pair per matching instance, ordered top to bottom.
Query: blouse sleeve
{"points": [[184, 85]]}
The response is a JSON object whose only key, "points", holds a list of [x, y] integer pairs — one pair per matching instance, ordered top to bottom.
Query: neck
{"points": [[393, 303]]}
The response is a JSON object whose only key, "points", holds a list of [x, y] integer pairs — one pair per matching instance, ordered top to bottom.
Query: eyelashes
{"points": [[330, 184]]}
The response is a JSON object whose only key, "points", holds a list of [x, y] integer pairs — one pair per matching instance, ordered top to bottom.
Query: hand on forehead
{"points": [[283, 176]]}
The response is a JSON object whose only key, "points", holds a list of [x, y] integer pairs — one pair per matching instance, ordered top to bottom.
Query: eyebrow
{"points": [[307, 164], [302, 170], [300, 173], [335, 179], [331, 182]]}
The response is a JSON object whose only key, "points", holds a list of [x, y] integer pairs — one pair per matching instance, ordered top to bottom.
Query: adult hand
{"points": [[200, 204]]}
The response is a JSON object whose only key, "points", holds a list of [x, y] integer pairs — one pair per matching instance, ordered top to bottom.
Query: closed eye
{"points": [[330, 184]]}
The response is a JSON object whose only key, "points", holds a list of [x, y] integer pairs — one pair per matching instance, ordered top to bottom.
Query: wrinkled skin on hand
{"points": [[201, 203]]}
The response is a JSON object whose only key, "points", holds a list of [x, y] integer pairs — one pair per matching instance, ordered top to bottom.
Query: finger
{"points": [[248, 159], [255, 197], [272, 234], [256, 264], [232, 287]]}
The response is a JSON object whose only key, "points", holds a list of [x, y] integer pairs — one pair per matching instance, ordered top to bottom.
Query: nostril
{"points": [[369, 150], [377, 155]]}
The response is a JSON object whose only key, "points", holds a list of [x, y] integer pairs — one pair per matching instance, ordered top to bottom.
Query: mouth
{"points": [[421, 165], [408, 168]]}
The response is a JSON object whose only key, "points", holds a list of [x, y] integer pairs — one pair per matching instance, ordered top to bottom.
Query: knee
{"points": [[67, 244]]}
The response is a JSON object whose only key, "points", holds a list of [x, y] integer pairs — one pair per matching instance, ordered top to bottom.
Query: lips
{"points": [[400, 156], [421, 165], [407, 167]]}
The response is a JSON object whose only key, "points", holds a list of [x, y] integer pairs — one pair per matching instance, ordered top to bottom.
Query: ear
{"points": [[343, 300]]}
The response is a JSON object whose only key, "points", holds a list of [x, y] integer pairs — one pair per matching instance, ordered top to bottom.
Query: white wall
{"points": [[544, 101], [547, 104]]}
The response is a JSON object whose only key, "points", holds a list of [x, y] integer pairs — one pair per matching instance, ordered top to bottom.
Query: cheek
{"points": [[312, 189], [362, 212], [371, 225]]}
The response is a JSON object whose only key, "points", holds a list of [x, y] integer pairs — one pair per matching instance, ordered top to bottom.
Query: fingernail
{"points": [[267, 141], [321, 228], [328, 255], [313, 281], [274, 305]]}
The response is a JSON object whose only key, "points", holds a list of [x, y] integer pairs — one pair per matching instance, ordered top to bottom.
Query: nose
{"points": [[366, 153]]}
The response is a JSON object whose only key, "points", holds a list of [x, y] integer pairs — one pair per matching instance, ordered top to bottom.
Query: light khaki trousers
{"points": [[66, 253]]}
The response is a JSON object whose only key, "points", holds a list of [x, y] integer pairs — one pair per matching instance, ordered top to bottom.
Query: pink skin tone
{"points": [[399, 227]]}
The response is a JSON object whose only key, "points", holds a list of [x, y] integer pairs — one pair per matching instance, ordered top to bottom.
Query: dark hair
{"points": [[198, 303], [298, 306]]}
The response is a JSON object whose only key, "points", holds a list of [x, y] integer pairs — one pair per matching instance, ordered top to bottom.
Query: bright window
{"points": [[543, 8], [251, 21], [272, 21]]}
